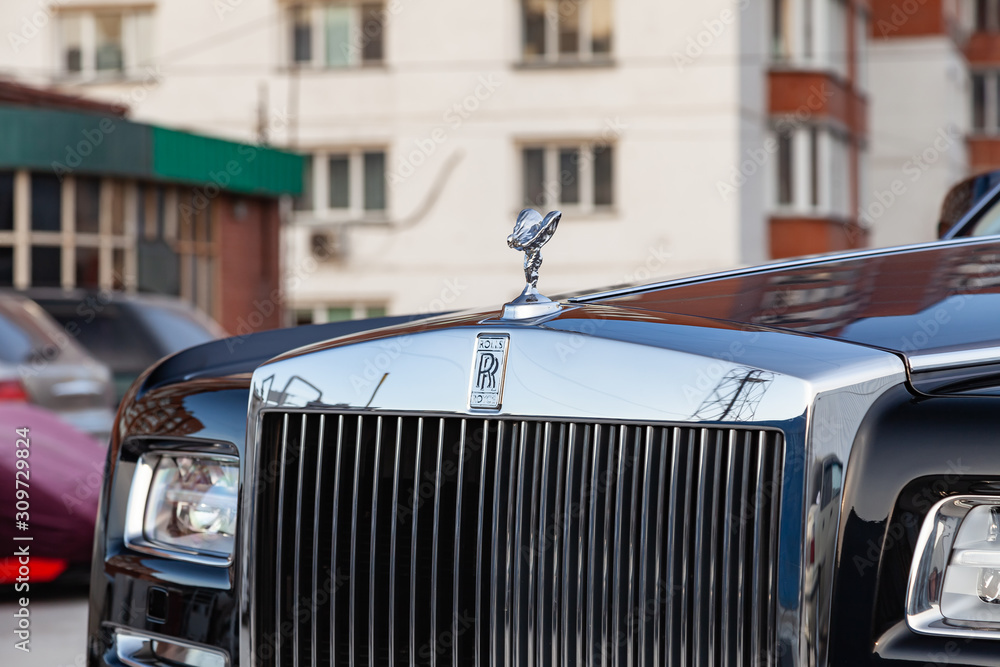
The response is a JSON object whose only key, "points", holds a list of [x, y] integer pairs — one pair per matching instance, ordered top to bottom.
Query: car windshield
{"points": [[175, 328]]}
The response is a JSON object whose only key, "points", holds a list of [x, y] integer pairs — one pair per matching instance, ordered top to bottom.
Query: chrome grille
{"points": [[407, 541]]}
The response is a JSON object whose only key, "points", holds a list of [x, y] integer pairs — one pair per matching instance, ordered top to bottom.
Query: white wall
{"points": [[919, 120]]}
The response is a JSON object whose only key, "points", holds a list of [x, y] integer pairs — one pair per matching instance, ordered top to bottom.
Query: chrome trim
{"points": [[811, 260], [934, 361], [820, 393], [395, 517], [133, 533], [316, 534], [371, 567], [297, 575], [278, 637], [136, 649]]}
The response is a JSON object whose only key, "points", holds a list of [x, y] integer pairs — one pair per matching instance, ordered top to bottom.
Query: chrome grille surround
{"points": [[645, 373], [536, 538]]}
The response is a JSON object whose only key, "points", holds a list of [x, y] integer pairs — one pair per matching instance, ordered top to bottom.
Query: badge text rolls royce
{"points": [[797, 464]]}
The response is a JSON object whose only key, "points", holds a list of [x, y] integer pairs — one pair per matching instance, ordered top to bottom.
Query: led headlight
{"points": [[184, 504], [954, 586]]}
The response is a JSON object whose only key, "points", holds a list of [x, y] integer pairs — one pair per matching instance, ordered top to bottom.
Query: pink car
{"points": [[51, 478]]}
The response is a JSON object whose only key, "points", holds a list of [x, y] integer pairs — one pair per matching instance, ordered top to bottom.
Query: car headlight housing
{"points": [[184, 505], [954, 586]]}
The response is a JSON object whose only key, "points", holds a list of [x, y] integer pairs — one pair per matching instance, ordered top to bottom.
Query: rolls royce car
{"points": [[796, 464]]}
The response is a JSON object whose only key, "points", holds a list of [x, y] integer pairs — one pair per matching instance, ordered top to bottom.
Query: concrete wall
{"points": [[919, 120]]}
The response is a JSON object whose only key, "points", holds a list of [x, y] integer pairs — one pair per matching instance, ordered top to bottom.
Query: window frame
{"points": [[317, 12], [803, 34], [134, 44], [553, 55], [991, 102], [820, 171], [586, 184], [355, 210], [107, 241], [360, 309]]}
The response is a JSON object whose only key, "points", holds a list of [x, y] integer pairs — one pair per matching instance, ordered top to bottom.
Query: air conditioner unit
{"points": [[328, 245]]}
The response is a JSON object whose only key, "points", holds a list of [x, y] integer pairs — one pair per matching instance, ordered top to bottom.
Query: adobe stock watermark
{"points": [[31, 25], [712, 29], [452, 119], [913, 170]]}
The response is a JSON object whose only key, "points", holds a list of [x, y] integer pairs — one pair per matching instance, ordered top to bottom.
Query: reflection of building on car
{"points": [[128, 332], [41, 364], [61, 485]]}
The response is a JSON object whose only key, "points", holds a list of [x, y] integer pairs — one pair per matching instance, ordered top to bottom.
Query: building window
{"points": [[987, 16], [557, 31], [814, 33], [337, 34], [104, 43], [985, 105], [812, 172], [573, 176], [351, 184], [6, 201], [70, 233], [197, 249], [341, 312]]}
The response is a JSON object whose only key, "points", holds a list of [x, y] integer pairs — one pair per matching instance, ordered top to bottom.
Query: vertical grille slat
{"points": [[397, 466], [415, 509], [427, 541], [758, 547], [456, 568], [316, 571], [566, 606], [495, 632]]}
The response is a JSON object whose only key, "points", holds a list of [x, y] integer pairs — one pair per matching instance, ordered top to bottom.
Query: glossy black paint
{"points": [[929, 299], [911, 451]]}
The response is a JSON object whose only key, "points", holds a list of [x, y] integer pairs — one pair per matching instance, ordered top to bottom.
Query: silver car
{"points": [[41, 363]]}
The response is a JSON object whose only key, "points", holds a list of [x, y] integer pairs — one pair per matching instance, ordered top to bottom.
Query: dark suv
{"points": [[128, 332]]}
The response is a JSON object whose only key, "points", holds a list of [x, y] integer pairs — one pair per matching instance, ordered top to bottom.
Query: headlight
{"points": [[184, 505], [954, 586]]}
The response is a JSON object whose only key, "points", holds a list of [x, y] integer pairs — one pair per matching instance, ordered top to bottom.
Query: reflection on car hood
{"points": [[921, 300]]}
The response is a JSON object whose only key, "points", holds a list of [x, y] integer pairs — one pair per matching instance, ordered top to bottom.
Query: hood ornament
{"points": [[531, 232]]}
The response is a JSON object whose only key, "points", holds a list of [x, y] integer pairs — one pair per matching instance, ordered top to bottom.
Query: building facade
{"points": [[676, 137], [93, 201]]}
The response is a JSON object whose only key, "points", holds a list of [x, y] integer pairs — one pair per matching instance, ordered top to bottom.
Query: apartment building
{"points": [[676, 137]]}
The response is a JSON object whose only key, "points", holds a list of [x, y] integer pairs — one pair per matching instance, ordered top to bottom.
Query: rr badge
{"points": [[488, 369]]}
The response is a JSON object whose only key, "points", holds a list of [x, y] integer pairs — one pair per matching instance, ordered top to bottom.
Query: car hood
{"points": [[917, 301]]}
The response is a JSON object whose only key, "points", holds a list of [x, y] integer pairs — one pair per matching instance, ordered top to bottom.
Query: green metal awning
{"points": [[76, 142]]}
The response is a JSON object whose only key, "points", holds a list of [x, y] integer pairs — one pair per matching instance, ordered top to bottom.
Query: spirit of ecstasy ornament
{"points": [[531, 232]]}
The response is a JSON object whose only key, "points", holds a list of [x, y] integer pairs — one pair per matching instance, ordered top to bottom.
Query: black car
{"points": [[127, 332], [789, 465]]}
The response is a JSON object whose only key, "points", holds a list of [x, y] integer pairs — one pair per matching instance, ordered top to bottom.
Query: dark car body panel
{"points": [[880, 299], [923, 300], [904, 460]]}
